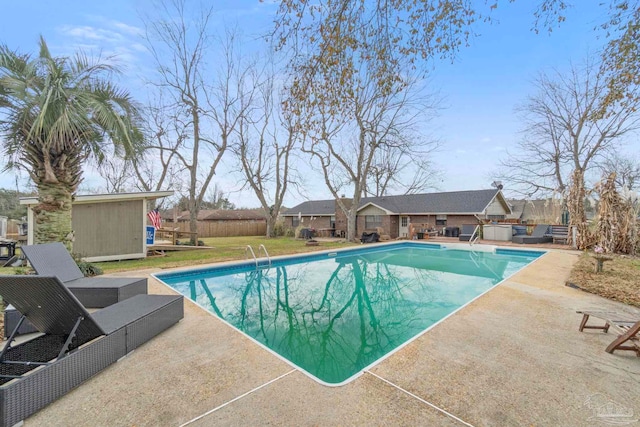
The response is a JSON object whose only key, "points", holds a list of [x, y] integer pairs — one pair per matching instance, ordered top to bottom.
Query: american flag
{"points": [[154, 217]]}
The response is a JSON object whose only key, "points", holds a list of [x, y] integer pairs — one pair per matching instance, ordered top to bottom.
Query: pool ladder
{"points": [[476, 232], [249, 250]]}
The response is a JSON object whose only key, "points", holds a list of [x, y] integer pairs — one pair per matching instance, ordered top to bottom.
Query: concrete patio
{"points": [[512, 357]]}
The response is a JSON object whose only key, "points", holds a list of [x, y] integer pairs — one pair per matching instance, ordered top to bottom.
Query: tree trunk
{"points": [[575, 205], [52, 215], [193, 221], [271, 222], [351, 225]]}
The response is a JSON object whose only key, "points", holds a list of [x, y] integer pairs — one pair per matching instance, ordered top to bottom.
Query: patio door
{"points": [[403, 229]]}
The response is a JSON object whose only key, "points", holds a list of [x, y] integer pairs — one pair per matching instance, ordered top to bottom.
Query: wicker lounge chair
{"points": [[468, 232], [538, 235], [53, 259], [626, 328], [75, 346]]}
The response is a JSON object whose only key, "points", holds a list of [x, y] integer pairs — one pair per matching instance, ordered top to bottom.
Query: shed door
{"points": [[403, 230]]}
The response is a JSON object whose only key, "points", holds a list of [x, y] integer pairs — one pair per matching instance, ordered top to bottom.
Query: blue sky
{"points": [[480, 88]]}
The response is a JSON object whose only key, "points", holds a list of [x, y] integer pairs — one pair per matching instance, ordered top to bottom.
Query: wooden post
{"points": [[600, 259]]}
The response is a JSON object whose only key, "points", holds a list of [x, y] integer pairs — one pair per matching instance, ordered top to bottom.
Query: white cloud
{"points": [[87, 32], [113, 41]]}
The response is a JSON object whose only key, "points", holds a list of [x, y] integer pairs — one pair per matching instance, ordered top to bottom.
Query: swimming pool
{"points": [[334, 314]]}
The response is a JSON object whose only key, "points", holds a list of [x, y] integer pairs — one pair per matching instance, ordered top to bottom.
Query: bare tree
{"points": [[211, 99], [348, 129], [166, 131], [562, 131], [564, 137], [264, 148], [624, 169], [401, 172], [117, 177], [217, 199]]}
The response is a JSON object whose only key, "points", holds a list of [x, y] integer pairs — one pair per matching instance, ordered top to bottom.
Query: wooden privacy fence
{"points": [[223, 228]]}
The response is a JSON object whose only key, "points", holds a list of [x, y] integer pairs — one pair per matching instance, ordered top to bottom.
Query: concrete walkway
{"points": [[513, 357]]}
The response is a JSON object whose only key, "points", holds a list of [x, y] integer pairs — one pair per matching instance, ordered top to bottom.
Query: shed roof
{"points": [[111, 197]]}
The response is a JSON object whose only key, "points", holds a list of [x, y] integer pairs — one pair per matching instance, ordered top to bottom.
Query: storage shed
{"points": [[107, 227]]}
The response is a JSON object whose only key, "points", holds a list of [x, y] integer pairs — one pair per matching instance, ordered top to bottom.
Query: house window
{"points": [[496, 217], [441, 220], [295, 221], [372, 221], [404, 221], [332, 222]]}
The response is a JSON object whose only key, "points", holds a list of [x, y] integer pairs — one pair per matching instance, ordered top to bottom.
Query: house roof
{"points": [[452, 202], [470, 202], [313, 207], [217, 215]]}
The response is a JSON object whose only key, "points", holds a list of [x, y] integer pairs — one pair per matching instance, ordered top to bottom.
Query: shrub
{"points": [[279, 229], [88, 269]]}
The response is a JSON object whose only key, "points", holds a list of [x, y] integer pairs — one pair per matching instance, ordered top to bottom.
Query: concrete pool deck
{"points": [[512, 357]]}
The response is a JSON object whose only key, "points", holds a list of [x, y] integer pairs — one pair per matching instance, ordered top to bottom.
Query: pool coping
{"points": [[455, 246]]}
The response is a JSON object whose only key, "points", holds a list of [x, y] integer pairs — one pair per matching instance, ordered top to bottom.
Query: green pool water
{"points": [[333, 315]]}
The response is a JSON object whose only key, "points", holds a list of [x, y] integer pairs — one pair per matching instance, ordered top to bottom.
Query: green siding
{"points": [[112, 228]]}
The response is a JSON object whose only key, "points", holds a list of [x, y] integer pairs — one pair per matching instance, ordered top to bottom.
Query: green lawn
{"points": [[223, 249]]}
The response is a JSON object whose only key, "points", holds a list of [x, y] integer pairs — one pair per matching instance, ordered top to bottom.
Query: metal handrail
{"points": [[475, 230], [248, 250], [266, 254]]}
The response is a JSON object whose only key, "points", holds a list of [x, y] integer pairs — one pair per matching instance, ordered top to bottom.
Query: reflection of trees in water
{"points": [[360, 312]]}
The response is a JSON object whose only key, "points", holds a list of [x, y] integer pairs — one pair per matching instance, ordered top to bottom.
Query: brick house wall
{"points": [[341, 218], [318, 222], [386, 226]]}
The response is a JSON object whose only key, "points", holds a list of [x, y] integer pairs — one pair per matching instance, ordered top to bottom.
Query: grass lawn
{"points": [[223, 249], [618, 280]]}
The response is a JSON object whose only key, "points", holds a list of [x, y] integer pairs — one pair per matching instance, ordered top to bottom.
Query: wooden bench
{"points": [[560, 233]]}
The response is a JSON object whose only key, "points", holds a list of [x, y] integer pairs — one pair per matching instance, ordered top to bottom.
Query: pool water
{"points": [[333, 315]]}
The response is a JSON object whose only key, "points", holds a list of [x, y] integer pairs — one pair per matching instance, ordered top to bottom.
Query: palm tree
{"points": [[55, 114]]}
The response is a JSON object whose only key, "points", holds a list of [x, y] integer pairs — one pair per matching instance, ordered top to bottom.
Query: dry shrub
{"points": [[617, 230]]}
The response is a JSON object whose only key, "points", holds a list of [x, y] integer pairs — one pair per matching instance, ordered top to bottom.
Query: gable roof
{"points": [[451, 202], [313, 207]]}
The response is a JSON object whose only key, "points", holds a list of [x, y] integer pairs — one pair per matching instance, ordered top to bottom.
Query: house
{"points": [[394, 213], [220, 222], [106, 227]]}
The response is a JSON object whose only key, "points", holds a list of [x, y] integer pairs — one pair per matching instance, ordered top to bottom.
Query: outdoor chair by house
{"points": [[468, 232], [560, 233], [538, 235], [53, 259], [628, 329], [75, 345]]}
